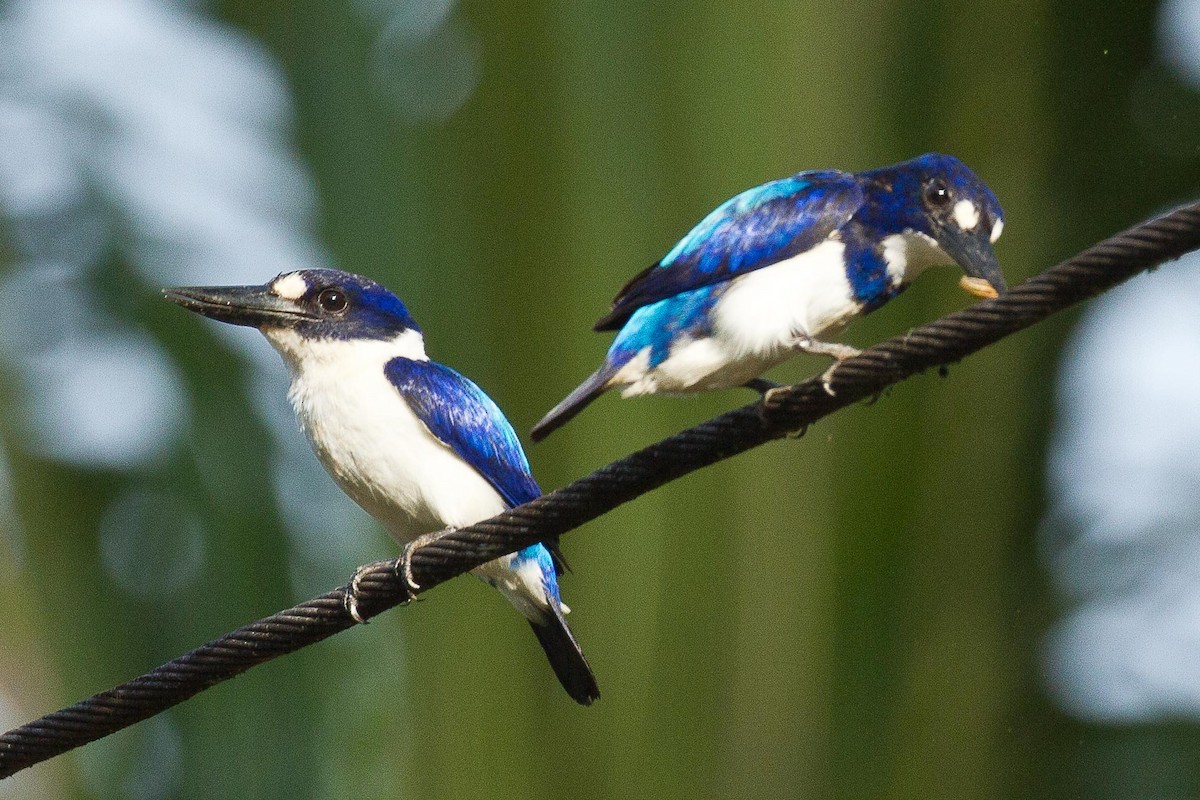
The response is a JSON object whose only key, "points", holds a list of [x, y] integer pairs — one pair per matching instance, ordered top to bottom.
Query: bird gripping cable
{"points": [[942, 341]]}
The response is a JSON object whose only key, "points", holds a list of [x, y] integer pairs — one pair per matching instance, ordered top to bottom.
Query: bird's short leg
{"points": [[835, 349], [838, 351], [404, 562], [402, 567]]}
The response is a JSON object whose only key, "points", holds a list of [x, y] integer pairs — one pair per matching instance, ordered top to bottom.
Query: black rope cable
{"points": [[943, 341]]}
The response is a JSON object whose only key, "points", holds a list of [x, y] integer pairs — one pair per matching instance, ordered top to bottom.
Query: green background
{"points": [[854, 614]]}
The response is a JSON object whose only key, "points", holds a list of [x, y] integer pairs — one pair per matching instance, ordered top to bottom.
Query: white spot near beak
{"points": [[966, 214], [996, 230], [290, 286]]}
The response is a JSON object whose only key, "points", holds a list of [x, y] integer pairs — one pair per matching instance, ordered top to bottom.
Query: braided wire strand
{"points": [[378, 586]]}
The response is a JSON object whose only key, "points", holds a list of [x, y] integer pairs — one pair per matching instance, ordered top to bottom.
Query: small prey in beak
{"points": [[978, 287]]}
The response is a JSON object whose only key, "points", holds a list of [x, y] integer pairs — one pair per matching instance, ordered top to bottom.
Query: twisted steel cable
{"points": [[379, 587]]}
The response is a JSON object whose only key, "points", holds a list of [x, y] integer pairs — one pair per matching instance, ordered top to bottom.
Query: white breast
{"points": [[909, 254], [763, 311], [755, 324], [367, 437], [382, 455]]}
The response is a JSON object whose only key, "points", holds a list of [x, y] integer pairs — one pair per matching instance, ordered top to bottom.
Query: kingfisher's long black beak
{"points": [[973, 252], [254, 306]]}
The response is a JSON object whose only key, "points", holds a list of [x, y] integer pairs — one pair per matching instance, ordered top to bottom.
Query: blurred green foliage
{"points": [[853, 614]]}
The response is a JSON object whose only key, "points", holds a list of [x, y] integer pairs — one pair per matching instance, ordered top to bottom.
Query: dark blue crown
{"points": [[349, 306]]}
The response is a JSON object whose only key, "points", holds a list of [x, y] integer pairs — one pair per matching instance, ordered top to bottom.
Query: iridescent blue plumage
{"points": [[759, 227], [777, 266], [378, 314], [660, 323], [462, 416], [466, 420], [417, 445]]}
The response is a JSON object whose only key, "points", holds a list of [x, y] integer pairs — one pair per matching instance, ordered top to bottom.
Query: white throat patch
{"points": [[966, 214], [909, 254], [290, 286], [302, 354]]}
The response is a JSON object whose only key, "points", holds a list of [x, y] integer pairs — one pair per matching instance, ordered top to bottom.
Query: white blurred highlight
{"points": [[1179, 37], [425, 62], [146, 130], [1122, 536]]}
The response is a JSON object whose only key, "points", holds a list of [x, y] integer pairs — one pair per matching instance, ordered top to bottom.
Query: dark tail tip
{"points": [[575, 402], [566, 658]]}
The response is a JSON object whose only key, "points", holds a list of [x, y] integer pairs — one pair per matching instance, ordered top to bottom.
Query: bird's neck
{"points": [[910, 253], [880, 265], [305, 355]]}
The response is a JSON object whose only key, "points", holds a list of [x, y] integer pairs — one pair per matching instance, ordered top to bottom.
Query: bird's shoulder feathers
{"points": [[757, 228], [466, 420]]}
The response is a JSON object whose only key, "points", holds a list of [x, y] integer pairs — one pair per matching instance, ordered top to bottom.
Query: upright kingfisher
{"points": [[778, 268], [416, 444]]}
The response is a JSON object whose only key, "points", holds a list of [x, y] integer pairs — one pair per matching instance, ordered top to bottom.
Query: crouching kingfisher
{"points": [[781, 267], [416, 444]]}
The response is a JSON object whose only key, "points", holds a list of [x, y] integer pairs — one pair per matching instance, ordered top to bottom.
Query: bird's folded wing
{"points": [[757, 228], [467, 421]]}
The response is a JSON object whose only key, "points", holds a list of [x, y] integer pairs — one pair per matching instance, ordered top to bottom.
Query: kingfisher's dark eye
{"points": [[937, 194], [333, 300]]}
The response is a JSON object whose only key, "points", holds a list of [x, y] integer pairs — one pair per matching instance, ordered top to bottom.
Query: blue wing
{"points": [[757, 228], [460, 414]]}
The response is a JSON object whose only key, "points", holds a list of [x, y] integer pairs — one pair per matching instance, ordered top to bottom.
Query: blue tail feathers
{"points": [[575, 402], [565, 656]]}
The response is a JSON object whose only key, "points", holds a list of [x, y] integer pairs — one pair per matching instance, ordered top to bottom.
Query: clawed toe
{"points": [[827, 379], [769, 394], [404, 562], [402, 566], [352, 592]]}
